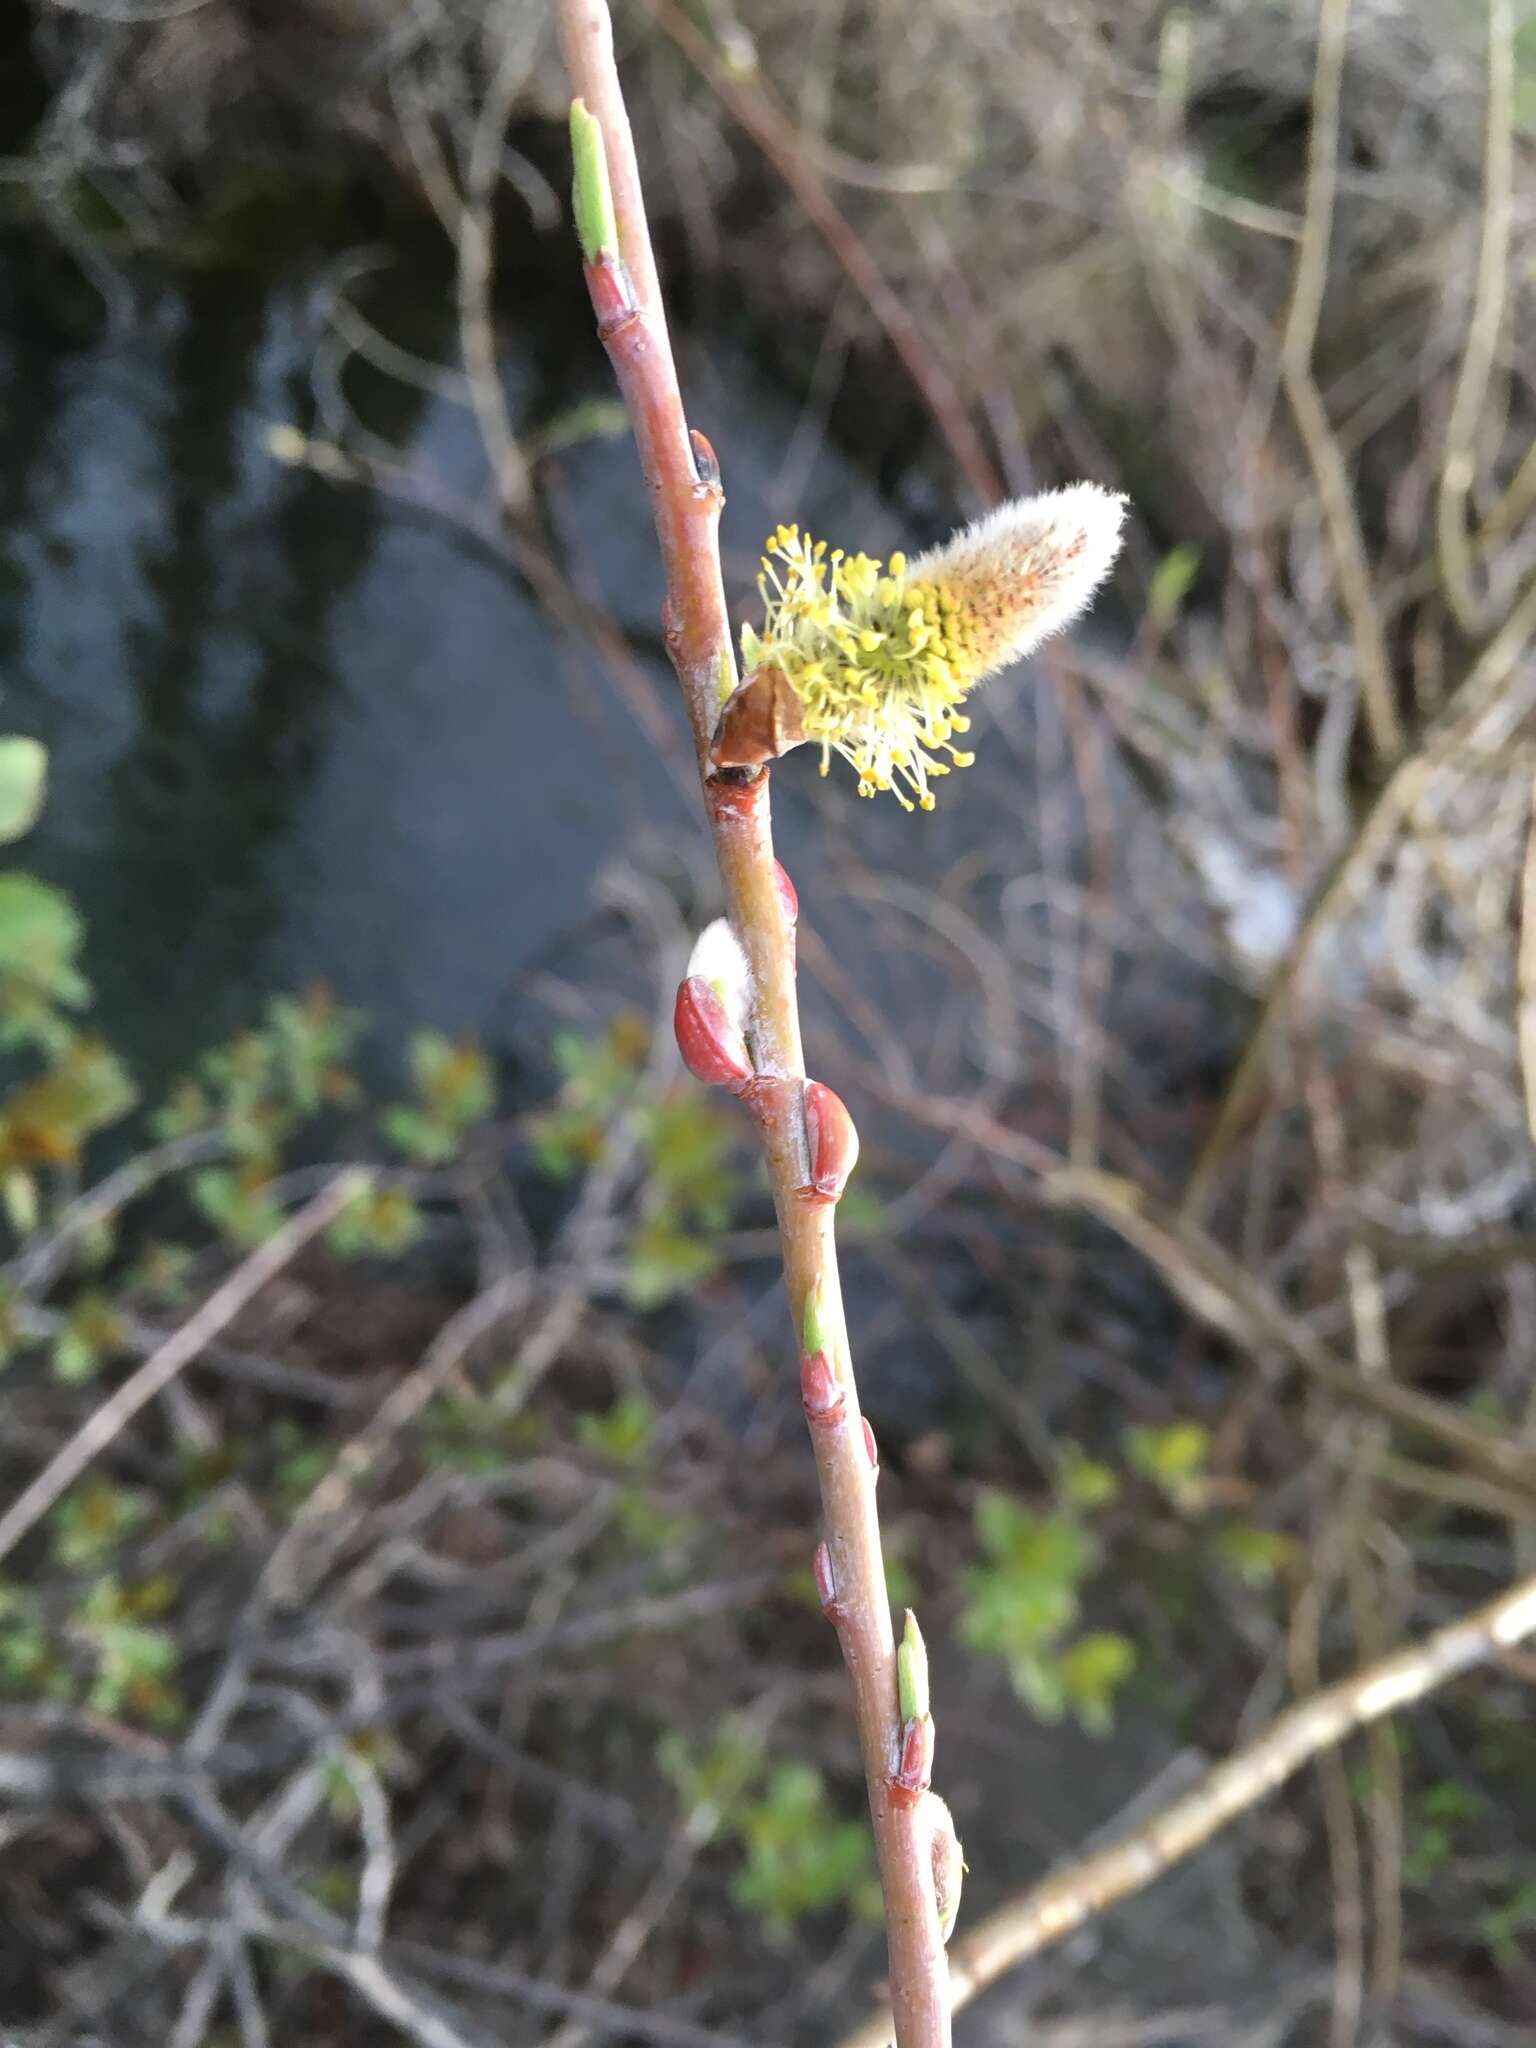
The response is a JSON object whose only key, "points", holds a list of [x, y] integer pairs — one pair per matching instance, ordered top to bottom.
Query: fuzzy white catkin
{"points": [[1044, 557], [718, 959]]}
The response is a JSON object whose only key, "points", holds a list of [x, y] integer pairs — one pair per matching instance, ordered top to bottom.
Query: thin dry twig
{"points": [[752, 104], [475, 253], [1460, 464], [1351, 565], [1450, 733], [1525, 973], [40, 1261], [1214, 1286], [174, 1355], [1048, 1911]]}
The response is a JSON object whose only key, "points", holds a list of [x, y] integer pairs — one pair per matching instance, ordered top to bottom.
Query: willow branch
{"points": [[683, 479], [1048, 1911]]}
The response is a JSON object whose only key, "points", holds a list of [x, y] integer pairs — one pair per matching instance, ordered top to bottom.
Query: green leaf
{"points": [[589, 419], [1172, 581], [23, 785], [40, 940], [310, 1036], [455, 1087], [188, 1109], [47, 1121], [414, 1134], [688, 1144], [18, 1191], [241, 1209], [381, 1222], [663, 1262], [163, 1272], [92, 1332], [74, 1360], [624, 1434], [1174, 1459], [1084, 1482], [1002, 1522], [89, 1523], [645, 1526], [1257, 1556], [900, 1582], [1026, 1596], [132, 1662], [1092, 1671], [1037, 1681], [719, 1776], [1452, 1800], [801, 1857], [1510, 1930]]}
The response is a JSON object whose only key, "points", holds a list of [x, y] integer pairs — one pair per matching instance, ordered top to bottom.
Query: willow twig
{"points": [[683, 480], [1048, 1911]]}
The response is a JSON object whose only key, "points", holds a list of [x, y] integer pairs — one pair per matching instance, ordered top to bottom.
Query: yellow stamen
{"points": [[880, 656]]}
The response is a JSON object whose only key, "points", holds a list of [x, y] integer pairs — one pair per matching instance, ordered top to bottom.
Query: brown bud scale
{"points": [[760, 721], [914, 1766]]}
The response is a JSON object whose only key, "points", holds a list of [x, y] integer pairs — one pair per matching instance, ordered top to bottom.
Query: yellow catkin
{"points": [[881, 656]]}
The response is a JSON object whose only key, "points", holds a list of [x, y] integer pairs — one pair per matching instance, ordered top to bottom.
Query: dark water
{"points": [[303, 730]]}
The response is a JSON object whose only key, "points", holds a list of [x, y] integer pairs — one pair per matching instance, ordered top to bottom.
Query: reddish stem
{"points": [[683, 478]]}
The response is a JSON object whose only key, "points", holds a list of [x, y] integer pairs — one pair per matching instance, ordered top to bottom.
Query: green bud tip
{"points": [[591, 194], [814, 1334], [912, 1671]]}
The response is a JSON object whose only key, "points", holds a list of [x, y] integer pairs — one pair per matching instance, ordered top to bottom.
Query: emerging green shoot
{"points": [[591, 195]]}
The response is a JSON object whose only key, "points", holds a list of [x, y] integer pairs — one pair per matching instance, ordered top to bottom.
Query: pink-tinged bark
{"points": [[682, 476]]}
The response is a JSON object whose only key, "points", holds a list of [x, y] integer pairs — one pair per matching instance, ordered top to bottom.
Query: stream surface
{"points": [[304, 730]]}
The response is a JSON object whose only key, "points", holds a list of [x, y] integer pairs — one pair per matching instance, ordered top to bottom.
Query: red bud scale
{"points": [[713, 1050], [831, 1140]]}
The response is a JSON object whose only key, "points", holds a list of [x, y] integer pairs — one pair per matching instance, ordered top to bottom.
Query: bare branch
{"points": [[1459, 467], [1350, 562], [175, 1354], [1051, 1910]]}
